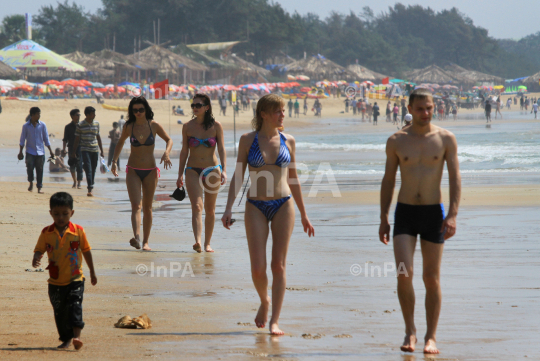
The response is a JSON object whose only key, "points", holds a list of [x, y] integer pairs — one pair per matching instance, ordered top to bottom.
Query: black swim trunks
{"points": [[425, 220]]}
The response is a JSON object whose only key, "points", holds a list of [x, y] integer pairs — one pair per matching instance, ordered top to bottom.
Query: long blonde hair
{"points": [[268, 103]]}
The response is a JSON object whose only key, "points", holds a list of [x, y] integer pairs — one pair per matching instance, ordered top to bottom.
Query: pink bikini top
{"points": [[208, 142]]}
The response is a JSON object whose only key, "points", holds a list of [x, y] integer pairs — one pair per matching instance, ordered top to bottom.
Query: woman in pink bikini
{"points": [[199, 164], [142, 173]]}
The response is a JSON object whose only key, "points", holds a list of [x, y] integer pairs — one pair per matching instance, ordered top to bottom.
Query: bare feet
{"points": [[74, 185], [79, 185], [31, 187], [40, 191], [89, 194], [135, 243], [146, 247], [197, 247], [208, 249], [262, 314], [274, 329], [77, 343], [409, 343], [65, 345], [431, 347]]}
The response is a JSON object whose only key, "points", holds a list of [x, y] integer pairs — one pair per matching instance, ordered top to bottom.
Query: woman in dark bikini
{"points": [[269, 152], [141, 169], [204, 175]]}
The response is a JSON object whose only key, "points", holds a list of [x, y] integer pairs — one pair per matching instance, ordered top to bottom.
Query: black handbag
{"points": [[179, 194]]}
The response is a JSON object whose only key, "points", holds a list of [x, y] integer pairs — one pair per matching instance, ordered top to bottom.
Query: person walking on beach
{"points": [[346, 101], [508, 103], [223, 105], [290, 105], [353, 105], [254, 106], [498, 107], [305, 108], [296, 109], [535, 109], [487, 110], [395, 111], [404, 111], [454, 111], [388, 112], [376, 113], [121, 124], [35, 135], [87, 136], [114, 136], [420, 151], [75, 164], [199, 164], [141, 171], [268, 207], [66, 246]]}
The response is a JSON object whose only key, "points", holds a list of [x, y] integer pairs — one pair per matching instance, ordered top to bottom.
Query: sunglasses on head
{"points": [[197, 105], [139, 110]]}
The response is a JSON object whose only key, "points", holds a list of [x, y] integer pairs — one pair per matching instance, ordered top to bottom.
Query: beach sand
{"points": [[489, 272]]}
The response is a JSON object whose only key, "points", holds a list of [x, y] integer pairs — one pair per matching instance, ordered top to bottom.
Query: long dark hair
{"points": [[139, 100], [209, 119]]}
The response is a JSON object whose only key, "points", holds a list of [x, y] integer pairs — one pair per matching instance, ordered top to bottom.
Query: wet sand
{"points": [[490, 292]]}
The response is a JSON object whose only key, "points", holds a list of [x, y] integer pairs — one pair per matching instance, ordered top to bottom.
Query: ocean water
{"points": [[498, 149]]}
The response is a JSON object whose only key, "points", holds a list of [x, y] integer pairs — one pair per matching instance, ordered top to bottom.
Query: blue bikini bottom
{"points": [[204, 171], [269, 208]]}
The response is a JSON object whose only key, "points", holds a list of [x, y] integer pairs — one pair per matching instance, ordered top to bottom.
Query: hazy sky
{"points": [[503, 19]]}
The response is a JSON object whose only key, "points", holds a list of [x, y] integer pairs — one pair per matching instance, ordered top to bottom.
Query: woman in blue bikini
{"points": [[268, 152], [141, 169], [204, 175]]}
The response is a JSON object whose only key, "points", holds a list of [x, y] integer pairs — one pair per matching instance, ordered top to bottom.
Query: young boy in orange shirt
{"points": [[66, 245]]}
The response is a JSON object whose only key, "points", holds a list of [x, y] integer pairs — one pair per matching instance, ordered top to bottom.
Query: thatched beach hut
{"points": [[166, 62], [100, 67], [228, 67], [318, 67], [6, 71], [364, 73], [431, 74], [471, 76]]}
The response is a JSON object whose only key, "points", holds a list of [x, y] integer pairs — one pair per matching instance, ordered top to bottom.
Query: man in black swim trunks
{"points": [[420, 151]]}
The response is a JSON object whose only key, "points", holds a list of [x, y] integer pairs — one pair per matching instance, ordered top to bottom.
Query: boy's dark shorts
{"points": [[423, 220], [67, 305]]}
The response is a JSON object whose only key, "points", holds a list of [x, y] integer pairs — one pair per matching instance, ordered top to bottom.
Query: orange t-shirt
{"points": [[64, 253]]}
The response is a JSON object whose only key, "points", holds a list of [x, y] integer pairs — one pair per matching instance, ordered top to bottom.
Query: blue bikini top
{"points": [[149, 141], [256, 160]]}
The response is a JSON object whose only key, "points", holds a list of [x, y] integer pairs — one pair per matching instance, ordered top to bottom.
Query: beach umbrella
{"points": [[27, 54], [291, 77], [49, 82], [368, 82], [98, 85], [250, 86]]}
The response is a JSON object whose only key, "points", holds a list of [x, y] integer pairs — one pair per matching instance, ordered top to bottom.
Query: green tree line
{"points": [[400, 39]]}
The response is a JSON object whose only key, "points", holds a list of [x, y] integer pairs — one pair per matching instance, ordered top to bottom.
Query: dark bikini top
{"points": [[149, 141], [208, 142], [256, 160]]}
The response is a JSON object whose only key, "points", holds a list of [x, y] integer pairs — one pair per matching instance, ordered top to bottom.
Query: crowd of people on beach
{"points": [[270, 156]]}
